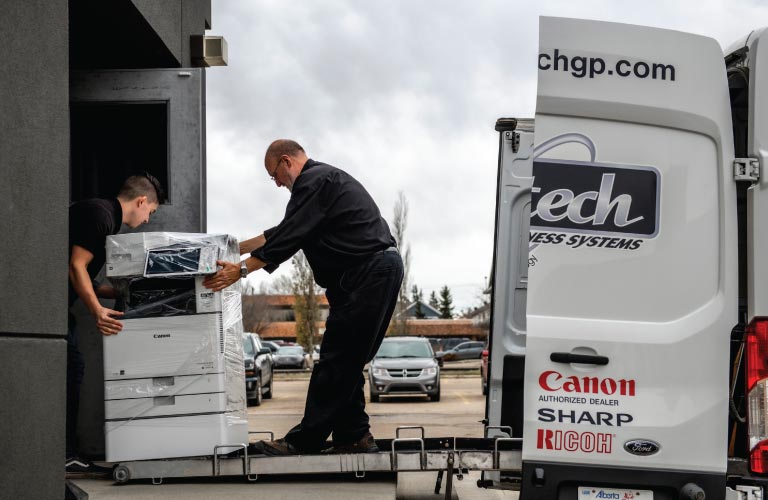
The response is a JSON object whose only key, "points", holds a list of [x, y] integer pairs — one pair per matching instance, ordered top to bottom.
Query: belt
{"points": [[390, 250]]}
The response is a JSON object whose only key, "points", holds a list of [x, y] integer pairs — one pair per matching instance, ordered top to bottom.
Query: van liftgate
{"points": [[402, 454]]}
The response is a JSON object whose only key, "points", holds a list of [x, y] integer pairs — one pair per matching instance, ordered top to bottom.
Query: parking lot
{"points": [[458, 413]]}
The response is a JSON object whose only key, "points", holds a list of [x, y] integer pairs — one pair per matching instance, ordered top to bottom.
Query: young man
{"points": [[334, 220], [90, 222]]}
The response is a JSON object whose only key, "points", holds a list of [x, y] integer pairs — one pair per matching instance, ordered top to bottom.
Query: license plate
{"points": [[595, 493]]}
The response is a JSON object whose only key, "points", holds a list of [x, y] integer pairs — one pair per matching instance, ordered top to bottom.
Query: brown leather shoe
{"points": [[365, 444], [277, 448]]}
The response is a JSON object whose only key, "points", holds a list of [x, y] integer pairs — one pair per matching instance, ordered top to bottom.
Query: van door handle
{"points": [[587, 359]]}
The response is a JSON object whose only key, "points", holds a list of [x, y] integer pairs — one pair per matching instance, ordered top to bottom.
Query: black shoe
{"points": [[365, 444], [277, 448], [81, 468]]}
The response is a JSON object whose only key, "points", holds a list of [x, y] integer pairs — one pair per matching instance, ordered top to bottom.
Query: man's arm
{"points": [[249, 246], [81, 282]]}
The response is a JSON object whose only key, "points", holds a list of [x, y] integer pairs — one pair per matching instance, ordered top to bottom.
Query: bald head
{"points": [[282, 147], [284, 161]]}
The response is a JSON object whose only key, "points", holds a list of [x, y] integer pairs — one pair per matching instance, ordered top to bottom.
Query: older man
{"points": [[333, 219]]}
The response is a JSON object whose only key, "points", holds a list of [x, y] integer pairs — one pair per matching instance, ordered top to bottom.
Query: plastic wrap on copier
{"points": [[163, 254], [180, 340]]}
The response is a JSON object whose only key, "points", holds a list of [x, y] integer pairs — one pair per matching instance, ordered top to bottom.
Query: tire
{"points": [[485, 387], [270, 388], [436, 396], [374, 397], [257, 400], [121, 474]]}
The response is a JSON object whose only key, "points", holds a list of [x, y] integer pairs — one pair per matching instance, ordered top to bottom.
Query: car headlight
{"points": [[430, 371], [380, 372]]}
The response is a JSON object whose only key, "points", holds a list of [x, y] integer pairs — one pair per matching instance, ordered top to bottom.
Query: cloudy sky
{"points": [[403, 95]]}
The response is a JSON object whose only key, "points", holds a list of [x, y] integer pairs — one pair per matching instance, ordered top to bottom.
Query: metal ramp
{"points": [[403, 454]]}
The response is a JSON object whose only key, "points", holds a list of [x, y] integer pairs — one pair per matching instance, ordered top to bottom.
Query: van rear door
{"points": [[753, 65], [633, 295]]}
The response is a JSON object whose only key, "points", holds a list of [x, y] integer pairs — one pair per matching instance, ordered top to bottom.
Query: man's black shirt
{"points": [[332, 218], [90, 222]]}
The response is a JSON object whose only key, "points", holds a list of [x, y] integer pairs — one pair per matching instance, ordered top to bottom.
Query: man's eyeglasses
{"points": [[274, 172]]}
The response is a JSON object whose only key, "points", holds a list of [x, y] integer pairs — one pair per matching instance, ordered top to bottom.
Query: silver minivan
{"points": [[404, 365]]}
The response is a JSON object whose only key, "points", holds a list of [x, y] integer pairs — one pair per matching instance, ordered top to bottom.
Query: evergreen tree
{"points": [[417, 296], [433, 302], [446, 303]]}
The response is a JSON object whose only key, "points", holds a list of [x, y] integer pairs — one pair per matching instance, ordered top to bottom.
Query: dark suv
{"points": [[465, 350], [258, 370]]}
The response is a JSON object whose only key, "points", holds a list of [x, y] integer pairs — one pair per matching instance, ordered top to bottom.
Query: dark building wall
{"points": [[175, 21], [34, 192], [34, 196]]}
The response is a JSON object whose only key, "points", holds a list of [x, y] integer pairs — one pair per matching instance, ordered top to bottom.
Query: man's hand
{"points": [[226, 276], [105, 322]]}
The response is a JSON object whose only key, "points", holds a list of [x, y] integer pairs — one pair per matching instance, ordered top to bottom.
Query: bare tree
{"points": [[281, 285], [305, 306], [399, 325]]}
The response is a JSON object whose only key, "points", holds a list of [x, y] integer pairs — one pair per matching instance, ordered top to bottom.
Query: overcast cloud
{"points": [[403, 95]]}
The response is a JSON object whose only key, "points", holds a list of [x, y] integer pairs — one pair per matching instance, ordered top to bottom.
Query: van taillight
{"points": [[757, 394]]}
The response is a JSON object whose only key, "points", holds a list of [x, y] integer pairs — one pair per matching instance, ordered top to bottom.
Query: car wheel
{"points": [[270, 387], [485, 387], [436, 396], [374, 397], [257, 400]]}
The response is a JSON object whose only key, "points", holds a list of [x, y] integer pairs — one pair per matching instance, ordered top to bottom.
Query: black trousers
{"points": [[361, 306]]}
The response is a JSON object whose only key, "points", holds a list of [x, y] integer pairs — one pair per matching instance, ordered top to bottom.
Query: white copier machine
{"points": [[173, 377]]}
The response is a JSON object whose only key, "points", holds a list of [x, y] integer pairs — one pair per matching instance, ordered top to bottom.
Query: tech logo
{"points": [[573, 441]]}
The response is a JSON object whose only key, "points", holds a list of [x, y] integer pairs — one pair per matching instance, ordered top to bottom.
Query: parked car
{"points": [[450, 343], [436, 344], [270, 345], [466, 350], [315, 354], [291, 356], [404, 365], [258, 370], [484, 370]]}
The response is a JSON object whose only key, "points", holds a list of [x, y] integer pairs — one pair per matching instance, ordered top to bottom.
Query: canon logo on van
{"points": [[595, 198], [161, 336], [552, 381], [585, 442]]}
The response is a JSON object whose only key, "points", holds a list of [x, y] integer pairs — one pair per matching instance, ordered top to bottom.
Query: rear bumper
{"points": [[557, 481]]}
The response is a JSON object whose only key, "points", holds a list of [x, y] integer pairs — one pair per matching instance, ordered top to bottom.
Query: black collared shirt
{"points": [[332, 218], [90, 222]]}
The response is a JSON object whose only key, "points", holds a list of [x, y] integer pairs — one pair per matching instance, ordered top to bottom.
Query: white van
{"points": [[629, 341]]}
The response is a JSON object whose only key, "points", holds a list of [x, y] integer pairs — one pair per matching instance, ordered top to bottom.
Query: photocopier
{"points": [[174, 381]]}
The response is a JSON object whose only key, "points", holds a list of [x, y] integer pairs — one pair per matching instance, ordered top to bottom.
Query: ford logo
{"points": [[641, 447]]}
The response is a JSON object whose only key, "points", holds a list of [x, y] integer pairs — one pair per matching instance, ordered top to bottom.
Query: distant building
{"points": [[428, 311], [480, 316], [272, 317]]}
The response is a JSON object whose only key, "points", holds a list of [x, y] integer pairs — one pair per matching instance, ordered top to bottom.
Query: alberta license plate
{"points": [[595, 493]]}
